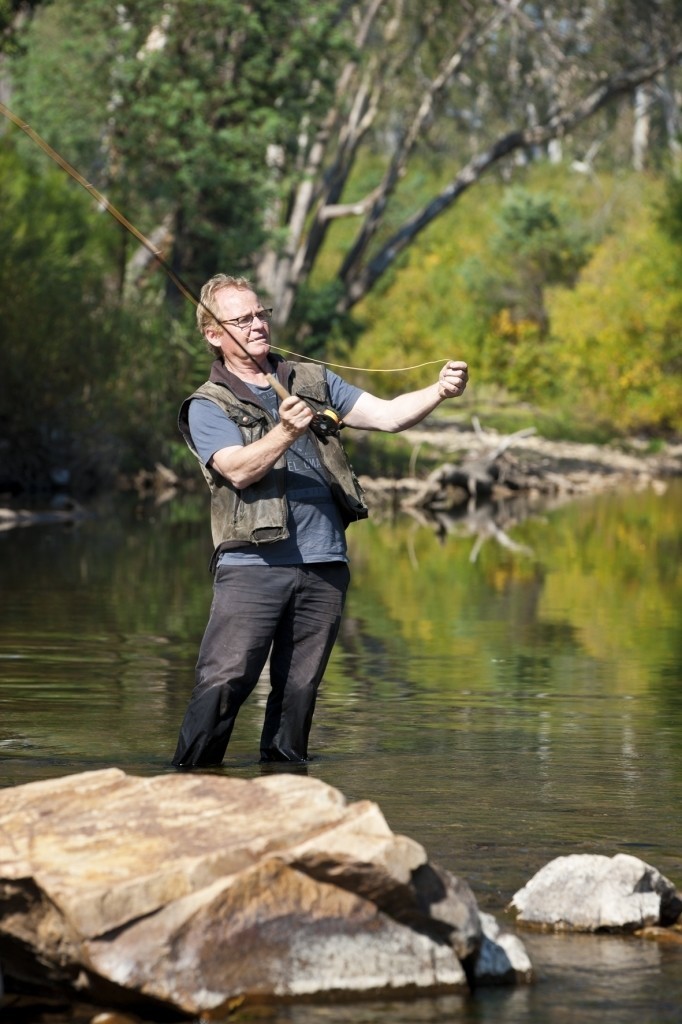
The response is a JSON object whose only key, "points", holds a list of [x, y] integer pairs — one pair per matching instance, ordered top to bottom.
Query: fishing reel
{"points": [[326, 424]]}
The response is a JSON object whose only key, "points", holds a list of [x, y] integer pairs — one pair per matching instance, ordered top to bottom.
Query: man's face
{"points": [[231, 304]]}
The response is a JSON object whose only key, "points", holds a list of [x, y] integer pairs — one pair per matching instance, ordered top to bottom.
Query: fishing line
{"points": [[360, 369]]}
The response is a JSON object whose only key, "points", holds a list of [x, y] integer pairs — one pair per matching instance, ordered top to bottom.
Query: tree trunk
{"points": [[643, 102]]}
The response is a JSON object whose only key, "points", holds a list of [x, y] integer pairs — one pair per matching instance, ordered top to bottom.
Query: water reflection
{"points": [[503, 709]]}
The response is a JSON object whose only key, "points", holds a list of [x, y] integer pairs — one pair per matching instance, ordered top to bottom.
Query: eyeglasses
{"points": [[244, 322]]}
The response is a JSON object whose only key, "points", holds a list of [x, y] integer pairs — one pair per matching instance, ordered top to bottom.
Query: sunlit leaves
{"points": [[499, 283], [620, 350]]}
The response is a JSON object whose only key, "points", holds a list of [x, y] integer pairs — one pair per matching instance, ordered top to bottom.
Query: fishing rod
{"points": [[323, 424]]}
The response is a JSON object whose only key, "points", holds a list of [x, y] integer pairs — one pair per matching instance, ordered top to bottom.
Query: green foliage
{"points": [[13, 14], [171, 109], [169, 112], [668, 214], [537, 241], [474, 286], [50, 291], [562, 292], [317, 313], [618, 345], [155, 368], [87, 386]]}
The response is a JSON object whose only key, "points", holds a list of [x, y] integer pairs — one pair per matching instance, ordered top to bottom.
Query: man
{"points": [[281, 497]]}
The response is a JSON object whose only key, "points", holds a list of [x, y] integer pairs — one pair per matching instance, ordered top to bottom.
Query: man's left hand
{"points": [[452, 379]]}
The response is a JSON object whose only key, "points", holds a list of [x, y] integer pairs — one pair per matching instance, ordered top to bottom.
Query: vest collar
{"points": [[221, 375]]}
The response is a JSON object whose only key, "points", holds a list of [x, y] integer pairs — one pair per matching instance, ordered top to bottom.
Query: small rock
{"points": [[592, 892], [502, 956]]}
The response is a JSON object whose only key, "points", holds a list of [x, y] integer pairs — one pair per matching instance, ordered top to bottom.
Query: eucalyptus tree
{"points": [[476, 84], [172, 110], [237, 132]]}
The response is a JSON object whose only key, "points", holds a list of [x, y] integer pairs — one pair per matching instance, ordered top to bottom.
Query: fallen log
{"points": [[491, 468], [69, 511]]}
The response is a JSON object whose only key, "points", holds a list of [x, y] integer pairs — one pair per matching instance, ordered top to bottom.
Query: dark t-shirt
{"points": [[316, 532]]}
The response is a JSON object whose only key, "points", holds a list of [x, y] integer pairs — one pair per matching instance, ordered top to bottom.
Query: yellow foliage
{"points": [[504, 325], [615, 333], [615, 342]]}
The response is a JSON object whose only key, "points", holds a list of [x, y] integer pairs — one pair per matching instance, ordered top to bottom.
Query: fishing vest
{"points": [[257, 514]]}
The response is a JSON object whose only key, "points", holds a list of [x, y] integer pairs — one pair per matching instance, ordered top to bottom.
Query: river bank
{"points": [[471, 463], [480, 467]]}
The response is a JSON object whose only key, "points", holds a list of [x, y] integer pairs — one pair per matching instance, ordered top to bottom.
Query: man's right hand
{"points": [[295, 416], [243, 465]]}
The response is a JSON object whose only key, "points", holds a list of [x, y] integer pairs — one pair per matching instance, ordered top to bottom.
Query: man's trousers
{"points": [[291, 612]]}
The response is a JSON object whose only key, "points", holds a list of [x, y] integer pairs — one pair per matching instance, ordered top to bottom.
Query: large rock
{"points": [[198, 891], [589, 892]]}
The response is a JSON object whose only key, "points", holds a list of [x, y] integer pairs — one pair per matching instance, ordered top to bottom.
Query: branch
{"points": [[452, 64], [560, 123], [337, 210], [161, 237]]}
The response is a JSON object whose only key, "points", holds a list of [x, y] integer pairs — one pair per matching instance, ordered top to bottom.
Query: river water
{"points": [[502, 706]]}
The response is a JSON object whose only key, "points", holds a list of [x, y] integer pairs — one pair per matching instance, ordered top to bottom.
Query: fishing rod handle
{"points": [[277, 386]]}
